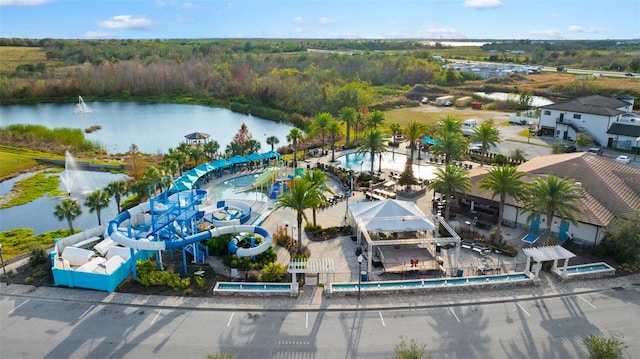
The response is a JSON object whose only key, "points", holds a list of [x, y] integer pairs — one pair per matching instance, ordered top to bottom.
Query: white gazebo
{"points": [[393, 217], [547, 253]]}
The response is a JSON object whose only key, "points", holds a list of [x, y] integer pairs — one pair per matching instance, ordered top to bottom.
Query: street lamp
{"points": [[636, 154], [346, 211], [360, 259], [4, 270]]}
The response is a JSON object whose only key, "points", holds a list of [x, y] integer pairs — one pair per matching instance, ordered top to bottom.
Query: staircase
{"points": [[202, 252]]}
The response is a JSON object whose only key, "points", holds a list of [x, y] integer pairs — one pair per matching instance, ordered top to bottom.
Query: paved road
{"points": [[543, 327]]}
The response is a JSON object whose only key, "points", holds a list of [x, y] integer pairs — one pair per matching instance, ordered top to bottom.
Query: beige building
{"points": [[611, 189]]}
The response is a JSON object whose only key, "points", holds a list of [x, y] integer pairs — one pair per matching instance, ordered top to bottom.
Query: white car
{"points": [[623, 159]]}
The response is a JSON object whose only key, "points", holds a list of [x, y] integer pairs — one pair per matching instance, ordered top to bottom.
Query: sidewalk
{"points": [[312, 298]]}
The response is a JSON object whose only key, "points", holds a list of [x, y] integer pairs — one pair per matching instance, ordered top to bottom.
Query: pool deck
{"points": [[313, 298]]}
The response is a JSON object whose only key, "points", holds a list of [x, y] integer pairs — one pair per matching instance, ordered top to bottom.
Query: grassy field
{"points": [[12, 56], [16, 160]]}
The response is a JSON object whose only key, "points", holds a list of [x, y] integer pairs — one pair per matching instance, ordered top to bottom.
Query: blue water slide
{"points": [[155, 245]]}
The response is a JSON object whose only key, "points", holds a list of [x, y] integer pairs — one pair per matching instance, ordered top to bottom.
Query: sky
{"points": [[314, 19]]}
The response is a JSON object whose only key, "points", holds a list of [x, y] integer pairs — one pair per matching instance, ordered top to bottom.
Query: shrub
{"points": [[219, 246], [38, 256], [272, 272], [148, 276], [28, 280], [199, 281]]}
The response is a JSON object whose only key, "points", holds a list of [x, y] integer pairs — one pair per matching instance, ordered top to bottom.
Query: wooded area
{"points": [[276, 79]]}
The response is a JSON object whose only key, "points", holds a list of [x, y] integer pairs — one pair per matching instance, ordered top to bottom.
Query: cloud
{"points": [[23, 2], [483, 4], [190, 5], [554, 15], [299, 20], [326, 20], [124, 22], [575, 28], [299, 30], [592, 30], [432, 31], [551, 33], [636, 36]]}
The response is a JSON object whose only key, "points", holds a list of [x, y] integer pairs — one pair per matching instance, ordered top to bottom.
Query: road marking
{"points": [[586, 301], [20, 305], [521, 308], [86, 311], [454, 314], [157, 315], [230, 318], [382, 319], [306, 321]]}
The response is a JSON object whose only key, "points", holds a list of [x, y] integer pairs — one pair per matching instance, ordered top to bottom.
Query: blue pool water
{"points": [[390, 161], [229, 190], [588, 268], [431, 282], [254, 286]]}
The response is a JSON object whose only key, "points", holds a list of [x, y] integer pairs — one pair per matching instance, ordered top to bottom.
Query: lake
{"points": [[536, 101], [154, 128], [38, 214]]}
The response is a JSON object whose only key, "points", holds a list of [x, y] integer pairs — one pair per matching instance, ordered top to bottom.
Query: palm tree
{"points": [[348, 116], [376, 118], [359, 123], [320, 126], [395, 130], [334, 131], [413, 132], [487, 134], [295, 135], [272, 141], [451, 142], [374, 144], [252, 145], [451, 145], [211, 148], [196, 153], [180, 157], [318, 180], [450, 180], [502, 181], [117, 189], [553, 196], [299, 198], [96, 201], [68, 209]]}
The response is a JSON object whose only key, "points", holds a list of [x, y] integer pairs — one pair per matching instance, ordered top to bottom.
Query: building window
{"points": [[547, 112], [577, 116]]}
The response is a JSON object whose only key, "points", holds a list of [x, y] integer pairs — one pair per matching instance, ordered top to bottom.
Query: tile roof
{"points": [[595, 104], [611, 189]]}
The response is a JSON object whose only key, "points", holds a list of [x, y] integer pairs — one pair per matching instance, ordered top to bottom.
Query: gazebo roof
{"points": [[197, 136], [548, 253]]}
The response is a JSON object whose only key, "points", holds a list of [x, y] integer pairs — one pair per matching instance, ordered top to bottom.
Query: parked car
{"points": [[629, 74], [425, 100], [570, 148], [596, 151], [623, 159]]}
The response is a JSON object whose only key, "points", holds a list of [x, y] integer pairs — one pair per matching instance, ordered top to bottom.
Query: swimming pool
{"points": [[390, 161], [229, 189], [585, 271], [429, 283], [234, 288]]}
